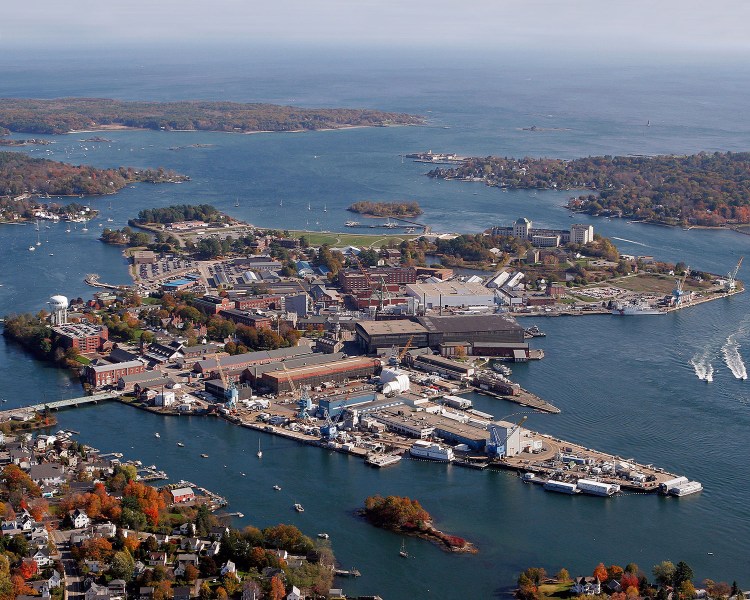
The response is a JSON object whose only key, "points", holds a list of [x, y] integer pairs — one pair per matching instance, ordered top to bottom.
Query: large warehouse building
{"points": [[451, 294], [434, 330], [315, 375]]}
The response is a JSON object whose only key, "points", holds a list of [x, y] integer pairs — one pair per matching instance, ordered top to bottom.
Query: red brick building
{"points": [[268, 301], [83, 337], [109, 374]]}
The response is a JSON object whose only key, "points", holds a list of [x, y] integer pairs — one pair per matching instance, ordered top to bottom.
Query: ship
{"points": [[353, 224], [635, 308], [431, 451], [382, 460]]}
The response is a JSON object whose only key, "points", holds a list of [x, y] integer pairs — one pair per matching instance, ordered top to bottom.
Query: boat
{"points": [[236, 203], [308, 206], [110, 219], [352, 224], [84, 228], [32, 248], [51, 254], [635, 308], [534, 331], [502, 369], [157, 434], [180, 444], [431, 451], [259, 454], [204, 455], [382, 460], [277, 488], [597, 488], [299, 508], [241, 515], [323, 536], [403, 553]]}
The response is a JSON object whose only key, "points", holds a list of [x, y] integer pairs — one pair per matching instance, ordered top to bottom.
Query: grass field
{"points": [[317, 238], [655, 284], [555, 590]]}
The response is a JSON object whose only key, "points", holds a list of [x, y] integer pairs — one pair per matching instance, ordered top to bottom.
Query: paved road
{"points": [[73, 579]]}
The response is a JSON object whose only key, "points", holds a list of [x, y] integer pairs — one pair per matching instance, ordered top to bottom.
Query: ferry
{"points": [[635, 308], [534, 331], [431, 451], [382, 460], [299, 508]]}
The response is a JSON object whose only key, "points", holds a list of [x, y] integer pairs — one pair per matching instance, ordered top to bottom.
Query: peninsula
{"points": [[64, 115], [20, 174], [709, 190], [386, 209], [404, 515]]}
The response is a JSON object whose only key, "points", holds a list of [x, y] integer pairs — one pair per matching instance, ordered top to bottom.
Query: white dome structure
{"points": [[59, 308], [394, 381]]}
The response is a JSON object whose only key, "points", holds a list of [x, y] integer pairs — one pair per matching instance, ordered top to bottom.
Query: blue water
{"points": [[625, 386]]}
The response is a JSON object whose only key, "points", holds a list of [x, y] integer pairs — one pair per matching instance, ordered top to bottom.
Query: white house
{"points": [[165, 398], [79, 518], [229, 567], [588, 586], [294, 594]]}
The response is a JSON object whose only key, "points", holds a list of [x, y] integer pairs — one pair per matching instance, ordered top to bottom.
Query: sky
{"points": [[593, 26]]}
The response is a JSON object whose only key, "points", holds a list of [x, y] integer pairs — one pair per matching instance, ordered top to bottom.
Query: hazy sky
{"points": [[660, 26]]}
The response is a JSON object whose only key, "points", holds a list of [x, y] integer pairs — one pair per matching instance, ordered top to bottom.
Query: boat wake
{"points": [[630, 241], [732, 357], [702, 366]]}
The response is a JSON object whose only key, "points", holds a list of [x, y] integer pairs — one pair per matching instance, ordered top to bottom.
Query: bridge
{"points": [[58, 404]]}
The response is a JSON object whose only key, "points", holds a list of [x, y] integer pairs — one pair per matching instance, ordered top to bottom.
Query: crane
{"points": [[731, 283], [678, 293], [405, 349], [231, 395], [305, 403], [496, 446]]}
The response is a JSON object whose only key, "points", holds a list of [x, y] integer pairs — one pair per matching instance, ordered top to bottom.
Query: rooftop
{"points": [[448, 288], [462, 323], [401, 326]]}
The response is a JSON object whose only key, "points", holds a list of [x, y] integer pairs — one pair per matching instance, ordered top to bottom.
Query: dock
{"points": [[525, 398]]}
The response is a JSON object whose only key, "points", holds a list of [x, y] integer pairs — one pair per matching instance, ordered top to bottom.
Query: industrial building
{"points": [[523, 229], [143, 257], [450, 294], [243, 317], [372, 335], [82, 336], [210, 366], [445, 367], [109, 374], [254, 374], [315, 375], [141, 380]]}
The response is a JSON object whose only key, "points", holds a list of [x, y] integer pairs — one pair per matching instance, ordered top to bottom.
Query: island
{"points": [[65, 115], [22, 175], [708, 190], [386, 209], [404, 515]]}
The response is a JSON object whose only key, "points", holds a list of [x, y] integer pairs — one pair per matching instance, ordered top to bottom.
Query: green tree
{"points": [[122, 565], [664, 573], [682, 573]]}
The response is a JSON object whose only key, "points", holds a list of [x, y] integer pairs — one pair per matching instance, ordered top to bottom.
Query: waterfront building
{"points": [[581, 234], [546, 238], [143, 257], [450, 294], [372, 335], [84, 337], [209, 366], [109, 374], [315, 375], [183, 494]]}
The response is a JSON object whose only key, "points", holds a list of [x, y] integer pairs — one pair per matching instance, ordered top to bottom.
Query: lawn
{"points": [[317, 238], [655, 284], [555, 590]]}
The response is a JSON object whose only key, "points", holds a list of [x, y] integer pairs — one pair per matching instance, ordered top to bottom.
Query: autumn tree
{"points": [[600, 572], [614, 572], [191, 573], [664, 573], [682, 573], [563, 576], [628, 580], [277, 591]]}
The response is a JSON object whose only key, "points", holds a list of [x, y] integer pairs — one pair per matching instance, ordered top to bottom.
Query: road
{"points": [[73, 579]]}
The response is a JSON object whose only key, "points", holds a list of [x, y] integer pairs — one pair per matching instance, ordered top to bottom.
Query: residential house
{"points": [[47, 474], [79, 518], [105, 530], [191, 544], [213, 548], [41, 558], [156, 559], [183, 560], [228, 567], [587, 586], [117, 588], [97, 592], [146, 593], [181, 593], [295, 594]]}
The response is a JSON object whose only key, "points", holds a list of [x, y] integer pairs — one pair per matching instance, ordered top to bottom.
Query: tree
{"points": [[122, 565], [632, 568], [600, 572], [614, 572], [191, 573], [664, 573], [682, 573], [563, 576], [629, 580], [687, 590], [205, 591], [277, 591], [221, 593]]}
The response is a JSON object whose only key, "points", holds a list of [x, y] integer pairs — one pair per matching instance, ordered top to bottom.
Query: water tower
{"points": [[59, 309]]}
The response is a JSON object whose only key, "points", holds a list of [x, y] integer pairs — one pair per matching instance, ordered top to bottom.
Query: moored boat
{"points": [[431, 451]]}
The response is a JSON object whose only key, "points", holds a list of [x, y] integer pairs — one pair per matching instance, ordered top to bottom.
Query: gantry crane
{"points": [[731, 284], [678, 293], [231, 394], [305, 403]]}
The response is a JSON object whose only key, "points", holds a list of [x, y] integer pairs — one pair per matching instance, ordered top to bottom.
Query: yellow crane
{"points": [[405, 349]]}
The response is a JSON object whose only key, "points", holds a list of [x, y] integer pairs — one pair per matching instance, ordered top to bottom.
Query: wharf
{"points": [[526, 399]]}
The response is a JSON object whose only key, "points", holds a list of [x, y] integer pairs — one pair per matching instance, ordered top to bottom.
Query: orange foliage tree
{"points": [[600, 572], [277, 589]]}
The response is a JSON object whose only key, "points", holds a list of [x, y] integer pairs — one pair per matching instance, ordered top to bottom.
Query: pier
{"points": [[92, 279], [59, 404]]}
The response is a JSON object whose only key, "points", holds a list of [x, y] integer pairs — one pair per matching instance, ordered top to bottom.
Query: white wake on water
{"points": [[630, 241], [732, 357], [702, 366]]}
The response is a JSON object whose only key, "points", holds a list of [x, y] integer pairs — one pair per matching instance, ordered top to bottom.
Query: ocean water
{"points": [[627, 386]]}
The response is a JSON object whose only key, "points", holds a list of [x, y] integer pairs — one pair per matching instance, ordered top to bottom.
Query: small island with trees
{"points": [[65, 115], [20, 174], [708, 190], [386, 209], [404, 515]]}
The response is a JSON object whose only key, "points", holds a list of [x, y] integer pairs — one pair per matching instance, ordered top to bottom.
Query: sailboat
{"points": [[281, 202], [237, 203], [110, 206], [308, 206], [325, 209], [68, 229], [38, 241], [260, 452], [403, 553]]}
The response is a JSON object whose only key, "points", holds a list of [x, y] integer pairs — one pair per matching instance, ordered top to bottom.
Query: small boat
{"points": [[237, 203], [325, 209], [110, 220], [84, 228], [32, 248], [51, 254], [157, 434], [180, 444], [259, 454], [204, 455], [243, 474], [276, 487], [299, 508], [241, 515], [323, 536], [403, 553]]}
